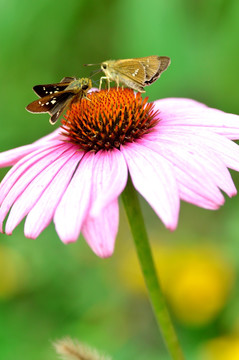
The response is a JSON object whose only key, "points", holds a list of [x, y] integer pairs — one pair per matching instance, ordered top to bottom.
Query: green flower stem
{"points": [[136, 222]]}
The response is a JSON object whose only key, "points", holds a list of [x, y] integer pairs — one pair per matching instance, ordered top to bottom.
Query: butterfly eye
{"points": [[104, 66], [84, 87]]}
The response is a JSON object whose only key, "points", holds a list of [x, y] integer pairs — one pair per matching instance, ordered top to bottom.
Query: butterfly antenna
{"points": [[91, 64], [95, 72]]}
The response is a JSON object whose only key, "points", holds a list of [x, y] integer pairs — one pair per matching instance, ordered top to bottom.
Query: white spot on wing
{"points": [[136, 72]]}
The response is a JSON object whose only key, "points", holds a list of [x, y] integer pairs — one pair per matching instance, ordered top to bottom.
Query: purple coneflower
{"points": [[172, 148]]}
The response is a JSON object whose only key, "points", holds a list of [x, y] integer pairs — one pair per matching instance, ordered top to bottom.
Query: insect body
{"points": [[134, 73], [55, 98]]}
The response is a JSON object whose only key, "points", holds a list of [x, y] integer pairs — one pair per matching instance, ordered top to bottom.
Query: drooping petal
{"points": [[226, 149], [206, 164], [198, 167], [24, 176], [154, 178], [109, 179], [34, 190], [189, 193], [74, 205], [42, 213], [100, 232]]}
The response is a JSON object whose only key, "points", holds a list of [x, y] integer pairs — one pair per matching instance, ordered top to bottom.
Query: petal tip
{"points": [[30, 236], [67, 241], [103, 253]]}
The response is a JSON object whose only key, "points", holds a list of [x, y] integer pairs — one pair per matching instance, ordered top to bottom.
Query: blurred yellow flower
{"points": [[13, 272], [196, 281], [222, 348]]}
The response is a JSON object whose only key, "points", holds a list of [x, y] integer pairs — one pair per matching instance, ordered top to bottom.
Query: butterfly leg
{"points": [[105, 78], [108, 81], [117, 82]]}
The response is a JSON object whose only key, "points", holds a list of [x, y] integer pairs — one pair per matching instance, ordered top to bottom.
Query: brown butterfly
{"points": [[134, 73], [55, 98]]}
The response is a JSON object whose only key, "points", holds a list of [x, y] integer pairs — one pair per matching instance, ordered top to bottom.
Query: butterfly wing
{"points": [[154, 66], [131, 69], [142, 71], [67, 79], [49, 89], [53, 104], [42, 105], [58, 110]]}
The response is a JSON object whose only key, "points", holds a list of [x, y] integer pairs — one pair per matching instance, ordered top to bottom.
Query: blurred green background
{"points": [[49, 290]]}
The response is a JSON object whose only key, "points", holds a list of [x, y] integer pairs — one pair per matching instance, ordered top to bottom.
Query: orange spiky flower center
{"points": [[108, 119]]}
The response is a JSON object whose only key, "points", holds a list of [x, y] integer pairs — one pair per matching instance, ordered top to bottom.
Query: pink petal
{"points": [[172, 105], [175, 112], [223, 147], [11, 157], [26, 163], [206, 164], [199, 171], [22, 177], [154, 178], [109, 179], [34, 190], [192, 196], [74, 205], [36, 222], [100, 232]]}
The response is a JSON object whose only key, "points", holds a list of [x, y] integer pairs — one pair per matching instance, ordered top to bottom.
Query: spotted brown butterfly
{"points": [[55, 98]]}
